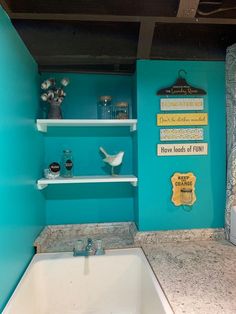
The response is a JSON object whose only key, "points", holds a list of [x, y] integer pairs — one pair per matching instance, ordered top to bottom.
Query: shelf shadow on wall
{"points": [[89, 132], [89, 191]]}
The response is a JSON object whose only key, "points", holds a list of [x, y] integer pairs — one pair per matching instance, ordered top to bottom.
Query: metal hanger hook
{"points": [[180, 73]]}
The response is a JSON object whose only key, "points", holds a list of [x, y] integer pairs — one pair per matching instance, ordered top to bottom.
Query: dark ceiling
{"points": [[109, 36]]}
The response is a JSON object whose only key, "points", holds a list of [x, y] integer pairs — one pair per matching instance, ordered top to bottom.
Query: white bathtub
{"points": [[120, 282]]}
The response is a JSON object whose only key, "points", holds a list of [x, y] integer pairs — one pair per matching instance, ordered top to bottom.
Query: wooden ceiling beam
{"points": [[188, 8], [74, 17], [121, 18], [146, 32], [83, 60], [96, 68]]}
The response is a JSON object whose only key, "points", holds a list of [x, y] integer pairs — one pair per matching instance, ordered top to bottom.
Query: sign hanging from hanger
{"points": [[181, 87]]}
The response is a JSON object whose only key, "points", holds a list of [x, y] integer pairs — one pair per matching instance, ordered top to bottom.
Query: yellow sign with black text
{"points": [[170, 119], [183, 188]]}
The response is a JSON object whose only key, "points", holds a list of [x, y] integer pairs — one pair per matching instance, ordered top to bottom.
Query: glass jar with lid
{"points": [[104, 107], [121, 110], [67, 164]]}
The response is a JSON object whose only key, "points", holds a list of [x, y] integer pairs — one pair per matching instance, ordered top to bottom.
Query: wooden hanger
{"points": [[181, 87]]}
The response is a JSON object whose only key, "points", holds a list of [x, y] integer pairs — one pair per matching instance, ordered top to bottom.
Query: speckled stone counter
{"points": [[62, 238], [196, 268], [198, 277]]}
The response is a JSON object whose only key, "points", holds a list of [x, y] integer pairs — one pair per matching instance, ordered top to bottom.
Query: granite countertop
{"points": [[196, 268], [197, 277]]}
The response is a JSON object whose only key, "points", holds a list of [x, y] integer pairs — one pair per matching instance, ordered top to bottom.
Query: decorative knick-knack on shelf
{"points": [[54, 95], [112, 160], [67, 164], [53, 171]]}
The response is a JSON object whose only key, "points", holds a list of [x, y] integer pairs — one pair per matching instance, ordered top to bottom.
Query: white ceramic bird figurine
{"points": [[112, 160]]}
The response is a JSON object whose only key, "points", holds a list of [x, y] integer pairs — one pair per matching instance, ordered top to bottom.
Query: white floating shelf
{"points": [[43, 124], [43, 183]]}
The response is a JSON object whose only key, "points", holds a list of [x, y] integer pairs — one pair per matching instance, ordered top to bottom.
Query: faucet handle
{"points": [[78, 248], [100, 249]]}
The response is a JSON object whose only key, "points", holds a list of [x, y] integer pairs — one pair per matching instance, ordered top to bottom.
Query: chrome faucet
{"points": [[89, 249]]}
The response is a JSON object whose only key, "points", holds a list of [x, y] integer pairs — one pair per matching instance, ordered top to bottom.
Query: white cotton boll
{"points": [[65, 82], [46, 84], [61, 93], [50, 94], [44, 97]]}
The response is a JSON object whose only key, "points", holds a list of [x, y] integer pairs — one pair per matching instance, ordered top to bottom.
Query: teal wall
{"points": [[85, 89], [25, 152], [91, 202], [150, 204], [21, 205], [155, 210]]}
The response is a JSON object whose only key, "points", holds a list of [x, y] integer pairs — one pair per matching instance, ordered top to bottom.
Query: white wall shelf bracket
{"points": [[42, 127], [133, 127], [41, 186]]}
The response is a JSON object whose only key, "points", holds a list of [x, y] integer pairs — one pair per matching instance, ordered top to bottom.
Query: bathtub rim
{"points": [[138, 251]]}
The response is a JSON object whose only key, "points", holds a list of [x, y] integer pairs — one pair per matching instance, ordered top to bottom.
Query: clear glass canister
{"points": [[104, 107], [121, 110], [67, 164]]}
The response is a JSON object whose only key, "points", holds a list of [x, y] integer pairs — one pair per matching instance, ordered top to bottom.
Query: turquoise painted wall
{"points": [[85, 89], [25, 152], [91, 202], [21, 205], [155, 209]]}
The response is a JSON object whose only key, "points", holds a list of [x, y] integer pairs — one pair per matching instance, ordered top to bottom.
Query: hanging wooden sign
{"points": [[181, 87], [167, 104], [171, 119], [190, 134], [182, 149], [183, 188]]}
